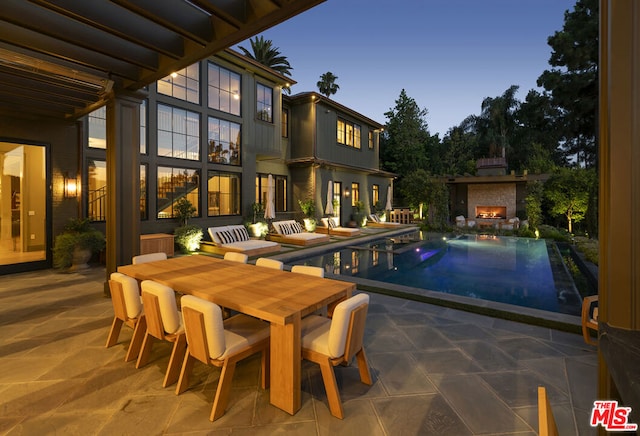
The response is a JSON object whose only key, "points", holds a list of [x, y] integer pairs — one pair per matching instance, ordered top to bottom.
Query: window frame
{"points": [[224, 91], [262, 106], [231, 127], [179, 132], [349, 133], [211, 197]]}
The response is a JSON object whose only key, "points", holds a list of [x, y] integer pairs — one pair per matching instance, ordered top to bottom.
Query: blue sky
{"points": [[447, 54]]}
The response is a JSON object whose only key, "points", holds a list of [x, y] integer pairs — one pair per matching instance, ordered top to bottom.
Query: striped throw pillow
{"points": [[296, 227], [240, 234], [225, 236]]}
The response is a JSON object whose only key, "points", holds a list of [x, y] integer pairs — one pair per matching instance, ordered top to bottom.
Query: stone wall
{"points": [[498, 194]]}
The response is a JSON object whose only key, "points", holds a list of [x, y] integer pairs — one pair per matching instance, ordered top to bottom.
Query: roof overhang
{"points": [[61, 58], [310, 161], [508, 178]]}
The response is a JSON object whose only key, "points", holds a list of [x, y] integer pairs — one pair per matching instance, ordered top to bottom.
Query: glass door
{"points": [[23, 203]]}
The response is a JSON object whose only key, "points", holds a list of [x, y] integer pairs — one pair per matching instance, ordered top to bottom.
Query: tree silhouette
{"points": [[264, 52], [326, 85]]}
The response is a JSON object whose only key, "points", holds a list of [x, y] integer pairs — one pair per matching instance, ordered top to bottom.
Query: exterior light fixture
{"points": [[70, 186]]}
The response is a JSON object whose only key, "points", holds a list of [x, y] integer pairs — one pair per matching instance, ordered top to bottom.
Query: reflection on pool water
{"points": [[502, 269]]}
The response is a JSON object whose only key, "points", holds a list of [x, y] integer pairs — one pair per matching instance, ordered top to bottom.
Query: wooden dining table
{"points": [[280, 297]]}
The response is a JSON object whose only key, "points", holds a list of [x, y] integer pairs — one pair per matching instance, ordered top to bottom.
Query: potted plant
{"points": [[308, 208], [358, 215], [258, 228], [188, 237], [74, 247]]}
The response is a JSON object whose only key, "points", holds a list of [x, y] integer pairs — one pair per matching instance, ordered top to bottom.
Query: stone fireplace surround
{"points": [[502, 195]]}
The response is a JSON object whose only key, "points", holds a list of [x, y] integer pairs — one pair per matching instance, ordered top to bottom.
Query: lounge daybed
{"points": [[373, 220], [331, 226], [292, 232], [236, 238]]}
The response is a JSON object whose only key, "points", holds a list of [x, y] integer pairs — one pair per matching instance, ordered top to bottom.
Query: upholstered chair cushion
{"points": [[131, 294], [171, 320]]}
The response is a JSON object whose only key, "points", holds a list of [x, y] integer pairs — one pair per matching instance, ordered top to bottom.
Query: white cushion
{"points": [[333, 222], [307, 236], [250, 244], [150, 257], [308, 270], [131, 294], [171, 319], [340, 323], [214, 326], [315, 333], [232, 335], [329, 336]]}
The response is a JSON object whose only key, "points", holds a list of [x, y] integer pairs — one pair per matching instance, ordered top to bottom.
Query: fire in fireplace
{"points": [[491, 212]]}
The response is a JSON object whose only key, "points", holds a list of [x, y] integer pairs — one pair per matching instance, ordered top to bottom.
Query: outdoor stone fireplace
{"points": [[491, 201], [491, 212]]}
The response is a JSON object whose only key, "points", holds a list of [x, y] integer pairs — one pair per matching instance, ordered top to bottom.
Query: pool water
{"points": [[503, 269]]}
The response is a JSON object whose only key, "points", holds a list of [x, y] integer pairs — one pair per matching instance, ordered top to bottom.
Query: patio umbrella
{"points": [[389, 195], [270, 208], [329, 209]]}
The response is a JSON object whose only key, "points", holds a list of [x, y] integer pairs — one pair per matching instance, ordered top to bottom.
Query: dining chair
{"points": [[234, 256], [150, 257], [270, 263], [315, 271], [127, 309], [589, 318], [165, 323], [331, 342], [220, 343], [546, 421]]}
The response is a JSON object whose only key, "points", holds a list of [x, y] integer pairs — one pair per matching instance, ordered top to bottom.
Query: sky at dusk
{"points": [[447, 54]]}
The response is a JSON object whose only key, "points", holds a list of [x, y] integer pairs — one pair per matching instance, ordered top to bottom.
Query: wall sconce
{"points": [[70, 186], [346, 192]]}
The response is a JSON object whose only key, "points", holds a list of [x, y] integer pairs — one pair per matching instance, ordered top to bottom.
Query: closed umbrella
{"points": [[389, 200], [270, 208], [329, 209]]}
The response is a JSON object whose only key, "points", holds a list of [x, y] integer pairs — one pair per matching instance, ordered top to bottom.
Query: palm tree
{"points": [[268, 55], [326, 85]]}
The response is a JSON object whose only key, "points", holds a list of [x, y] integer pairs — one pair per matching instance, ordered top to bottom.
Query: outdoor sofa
{"points": [[331, 226], [292, 232], [236, 238]]}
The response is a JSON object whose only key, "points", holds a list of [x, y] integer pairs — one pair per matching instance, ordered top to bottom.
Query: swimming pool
{"points": [[508, 270]]}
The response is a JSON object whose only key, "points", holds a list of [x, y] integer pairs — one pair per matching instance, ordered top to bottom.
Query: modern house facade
{"points": [[211, 133]]}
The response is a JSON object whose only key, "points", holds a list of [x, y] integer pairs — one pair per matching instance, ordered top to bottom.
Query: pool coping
{"points": [[558, 321]]}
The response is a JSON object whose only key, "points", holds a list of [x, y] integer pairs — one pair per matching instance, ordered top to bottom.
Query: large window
{"points": [[183, 84], [224, 89], [264, 103], [285, 123], [143, 127], [97, 128], [178, 133], [348, 133], [224, 142], [174, 184], [97, 190], [280, 191], [223, 193], [355, 193], [375, 195], [337, 199], [144, 211]]}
